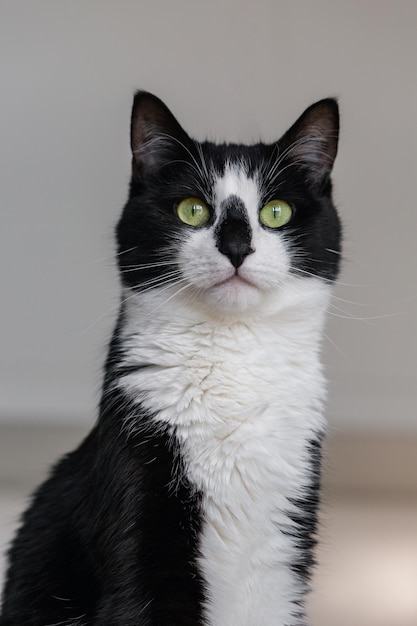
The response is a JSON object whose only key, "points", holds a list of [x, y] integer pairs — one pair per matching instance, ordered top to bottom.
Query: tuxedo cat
{"points": [[193, 501]]}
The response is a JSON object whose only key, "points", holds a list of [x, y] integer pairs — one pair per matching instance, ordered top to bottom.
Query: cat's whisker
{"points": [[312, 140], [153, 146], [293, 146], [203, 161], [197, 165], [200, 169], [271, 181], [197, 185], [115, 254], [146, 266], [298, 270], [157, 282], [162, 286], [177, 293], [174, 295], [353, 302], [336, 312], [340, 312], [369, 318], [99, 319], [338, 348], [73, 621]]}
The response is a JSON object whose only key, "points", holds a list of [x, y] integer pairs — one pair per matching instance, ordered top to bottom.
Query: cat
{"points": [[194, 499]]}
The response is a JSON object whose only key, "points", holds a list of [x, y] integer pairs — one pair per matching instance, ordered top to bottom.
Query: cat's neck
{"points": [[297, 314], [174, 355]]}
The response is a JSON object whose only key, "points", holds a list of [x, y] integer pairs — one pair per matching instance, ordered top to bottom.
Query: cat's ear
{"points": [[155, 134], [311, 143]]}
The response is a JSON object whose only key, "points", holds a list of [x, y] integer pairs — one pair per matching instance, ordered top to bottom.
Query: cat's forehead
{"points": [[235, 181]]}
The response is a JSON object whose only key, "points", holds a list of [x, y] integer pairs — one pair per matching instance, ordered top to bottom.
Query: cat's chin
{"points": [[235, 294]]}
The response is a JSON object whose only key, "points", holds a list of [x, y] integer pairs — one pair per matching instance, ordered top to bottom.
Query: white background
{"points": [[229, 70]]}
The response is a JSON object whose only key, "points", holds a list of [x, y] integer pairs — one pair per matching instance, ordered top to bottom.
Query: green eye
{"points": [[193, 212], [275, 214]]}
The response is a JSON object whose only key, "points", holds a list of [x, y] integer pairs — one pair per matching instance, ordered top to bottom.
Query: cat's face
{"points": [[229, 227]]}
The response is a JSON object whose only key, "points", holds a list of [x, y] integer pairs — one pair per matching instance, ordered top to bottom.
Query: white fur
{"points": [[235, 373]]}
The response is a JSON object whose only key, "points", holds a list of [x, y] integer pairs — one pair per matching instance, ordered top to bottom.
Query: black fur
{"points": [[111, 538]]}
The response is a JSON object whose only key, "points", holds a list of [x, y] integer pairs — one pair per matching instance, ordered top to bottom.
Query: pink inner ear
{"points": [[147, 121], [154, 133], [312, 141]]}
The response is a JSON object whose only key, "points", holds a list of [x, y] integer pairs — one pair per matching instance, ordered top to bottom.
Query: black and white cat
{"points": [[194, 499]]}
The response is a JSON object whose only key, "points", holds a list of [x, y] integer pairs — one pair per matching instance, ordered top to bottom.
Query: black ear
{"points": [[155, 134], [311, 143]]}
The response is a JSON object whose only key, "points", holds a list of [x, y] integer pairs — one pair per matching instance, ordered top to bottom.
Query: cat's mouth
{"points": [[235, 280], [236, 293]]}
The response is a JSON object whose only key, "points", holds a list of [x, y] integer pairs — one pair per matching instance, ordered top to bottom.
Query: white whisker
{"points": [[200, 168], [112, 256], [146, 266], [164, 281], [174, 295]]}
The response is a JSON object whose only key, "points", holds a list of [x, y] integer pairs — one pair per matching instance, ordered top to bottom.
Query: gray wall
{"points": [[229, 69]]}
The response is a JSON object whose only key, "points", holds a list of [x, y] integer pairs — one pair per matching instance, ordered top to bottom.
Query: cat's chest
{"points": [[214, 374], [230, 393], [243, 403]]}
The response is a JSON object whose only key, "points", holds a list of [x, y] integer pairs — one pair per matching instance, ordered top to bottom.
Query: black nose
{"points": [[234, 233]]}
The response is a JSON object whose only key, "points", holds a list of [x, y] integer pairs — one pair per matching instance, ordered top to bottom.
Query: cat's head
{"points": [[228, 227]]}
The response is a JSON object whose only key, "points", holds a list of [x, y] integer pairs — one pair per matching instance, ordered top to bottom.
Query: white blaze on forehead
{"points": [[236, 182]]}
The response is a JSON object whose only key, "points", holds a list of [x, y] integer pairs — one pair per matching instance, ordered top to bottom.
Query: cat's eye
{"points": [[194, 212], [275, 214]]}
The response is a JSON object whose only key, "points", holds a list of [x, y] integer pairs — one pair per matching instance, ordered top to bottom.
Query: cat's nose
{"points": [[234, 236], [236, 251]]}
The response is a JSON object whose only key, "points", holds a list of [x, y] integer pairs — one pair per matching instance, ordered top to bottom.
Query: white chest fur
{"points": [[244, 399]]}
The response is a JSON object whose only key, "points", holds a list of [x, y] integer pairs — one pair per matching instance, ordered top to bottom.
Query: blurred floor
{"points": [[367, 573]]}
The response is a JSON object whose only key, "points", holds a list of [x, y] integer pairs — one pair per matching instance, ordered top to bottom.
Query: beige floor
{"points": [[368, 563], [367, 573]]}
